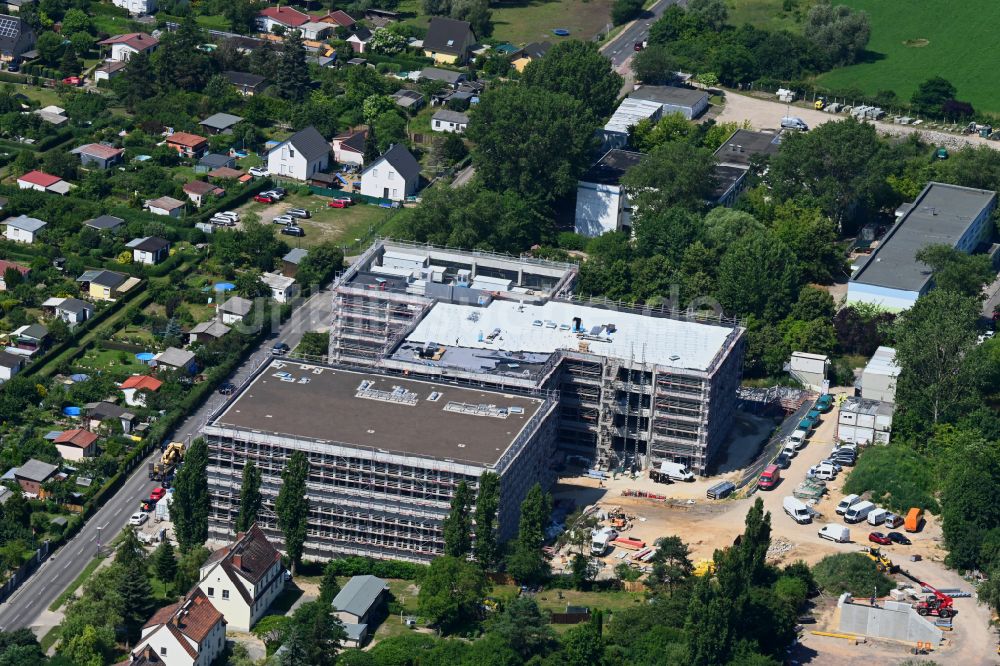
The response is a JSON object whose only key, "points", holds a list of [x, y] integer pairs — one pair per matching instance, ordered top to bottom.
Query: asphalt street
{"points": [[622, 47], [24, 608]]}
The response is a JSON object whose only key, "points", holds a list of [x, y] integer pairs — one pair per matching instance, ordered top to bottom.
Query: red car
{"points": [[639, 46], [73, 81], [261, 198], [339, 203], [157, 494], [879, 538]]}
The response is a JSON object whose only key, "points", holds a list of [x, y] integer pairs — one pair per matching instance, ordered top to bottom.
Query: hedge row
{"points": [[361, 566]]}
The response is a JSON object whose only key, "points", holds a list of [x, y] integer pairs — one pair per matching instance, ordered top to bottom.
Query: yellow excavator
{"points": [[171, 457]]}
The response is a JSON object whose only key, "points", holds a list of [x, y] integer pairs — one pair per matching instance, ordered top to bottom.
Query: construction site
{"points": [[635, 387], [385, 454]]}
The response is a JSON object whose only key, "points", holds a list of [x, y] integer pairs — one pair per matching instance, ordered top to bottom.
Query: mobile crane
{"points": [[173, 454], [941, 605]]}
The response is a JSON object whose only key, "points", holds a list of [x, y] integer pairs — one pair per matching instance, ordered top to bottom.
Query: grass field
{"points": [[768, 14], [911, 42], [339, 225]]}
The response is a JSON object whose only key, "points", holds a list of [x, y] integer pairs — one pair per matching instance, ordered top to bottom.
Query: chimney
{"points": [[238, 561]]}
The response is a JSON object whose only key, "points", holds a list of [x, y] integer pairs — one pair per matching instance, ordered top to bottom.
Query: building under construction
{"points": [[634, 386], [385, 453]]}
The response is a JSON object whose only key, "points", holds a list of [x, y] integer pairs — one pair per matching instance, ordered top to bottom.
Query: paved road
{"points": [[622, 47], [28, 603]]}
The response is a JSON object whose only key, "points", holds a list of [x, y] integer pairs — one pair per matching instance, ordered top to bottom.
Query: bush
{"points": [[624, 11], [897, 476], [360, 566], [851, 572]]}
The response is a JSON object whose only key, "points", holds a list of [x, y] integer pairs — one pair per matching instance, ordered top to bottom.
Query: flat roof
{"points": [[673, 95], [631, 112], [744, 144], [612, 166], [941, 215], [548, 327], [313, 402]]}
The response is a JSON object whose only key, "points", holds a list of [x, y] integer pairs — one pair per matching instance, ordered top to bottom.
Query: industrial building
{"points": [[734, 159], [602, 204], [892, 278], [635, 386]]}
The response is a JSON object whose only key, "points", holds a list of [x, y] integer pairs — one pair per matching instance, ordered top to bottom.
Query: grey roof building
{"points": [[16, 36], [448, 36], [438, 74], [246, 83], [408, 99], [688, 102], [449, 116], [220, 122], [310, 143], [213, 161], [403, 161], [25, 223], [105, 223], [295, 255], [104, 278], [237, 305], [211, 330], [36, 470], [359, 595]]}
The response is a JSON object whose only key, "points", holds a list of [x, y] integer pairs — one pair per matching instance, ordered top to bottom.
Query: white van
{"points": [[795, 123], [798, 439], [790, 450], [676, 471], [823, 472], [847, 503], [797, 510], [859, 512], [877, 517], [837, 533]]}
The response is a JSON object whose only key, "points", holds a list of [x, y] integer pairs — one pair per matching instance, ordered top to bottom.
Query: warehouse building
{"points": [[942, 214], [635, 386], [385, 454]]}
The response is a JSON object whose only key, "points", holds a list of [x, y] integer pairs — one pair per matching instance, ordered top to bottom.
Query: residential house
{"points": [[14, 6], [136, 7], [271, 17], [338, 17], [380, 18], [316, 30], [16, 38], [359, 39], [448, 40], [125, 46], [531, 52], [108, 70], [446, 76], [247, 84], [410, 100], [689, 102], [53, 115], [446, 120], [220, 123], [187, 144], [349, 148], [99, 155], [300, 156], [211, 161], [733, 162], [228, 173], [395, 175], [42, 182], [200, 192], [601, 202], [165, 206], [105, 223], [23, 229], [149, 250], [290, 262], [11, 265], [103, 285], [282, 288], [235, 309], [71, 310], [207, 331], [28, 340], [173, 358], [10, 365], [136, 387], [99, 412], [76, 444], [32, 474], [244, 578], [359, 604], [191, 632]]}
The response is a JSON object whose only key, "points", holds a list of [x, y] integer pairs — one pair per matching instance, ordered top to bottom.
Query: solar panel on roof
{"points": [[9, 27]]}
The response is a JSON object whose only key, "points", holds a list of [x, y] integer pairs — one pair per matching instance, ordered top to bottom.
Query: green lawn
{"points": [[769, 14], [911, 42], [339, 225], [111, 359]]}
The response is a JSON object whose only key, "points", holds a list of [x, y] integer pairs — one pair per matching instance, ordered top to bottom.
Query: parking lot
{"points": [[337, 225]]}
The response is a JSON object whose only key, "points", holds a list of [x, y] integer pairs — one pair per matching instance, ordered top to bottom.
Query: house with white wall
{"points": [[136, 7], [125, 46], [446, 120], [300, 156], [395, 175], [602, 204], [24, 229], [149, 250], [282, 288], [234, 309], [76, 444], [243, 579], [191, 632]]}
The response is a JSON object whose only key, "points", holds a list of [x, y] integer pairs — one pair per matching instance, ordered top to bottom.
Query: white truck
{"points": [[671, 471], [798, 511], [600, 540]]}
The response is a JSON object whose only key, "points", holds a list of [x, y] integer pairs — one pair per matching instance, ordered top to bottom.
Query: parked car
{"points": [[72, 81], [259, 172], [280, 191], [264, 198], [338, 203], [298, 212], [231, 214], [284, 219], [222, 221], [293, 230], [280, 348], [227, 388], [783, 461], [832, 463], [157, 494], [138, 518], [893, 521], [879, 538], [900, 538]]}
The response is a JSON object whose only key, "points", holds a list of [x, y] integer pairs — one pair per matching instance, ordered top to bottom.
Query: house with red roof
{"points": [[286, 17], [337, 17], [125, 46], [187, 144], [99, 155], [42, 182], [200, 191], [7, 265], [136, 387], [76, 444], [243, 579], [190, 632]]}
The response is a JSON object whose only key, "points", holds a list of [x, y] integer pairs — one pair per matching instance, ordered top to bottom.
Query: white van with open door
{"points": [[797, 510], [877, 517]]}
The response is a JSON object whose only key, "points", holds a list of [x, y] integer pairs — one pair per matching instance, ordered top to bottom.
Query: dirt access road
{"points": [[767, 114]]}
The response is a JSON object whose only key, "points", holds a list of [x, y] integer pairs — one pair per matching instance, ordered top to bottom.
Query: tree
{"points": [[624, 11], [476, 12], [241, 14], [709, 15], [76, 20], [840, 33], [386, 42], [49, 47], [70, 63], [655, 65], [577, 69], [293, 72], [138, 80], [930, 96], [375, 105], [453, 148], [674, 174], [811, 237], [956, 271], [755, 277], [250, 285], [250, 497], [292, 506], [970, 507], [189, 509], [457, 526], [486, 548], [526, 562], [165, 563], [671, 564], [189, 566], [582, 571], [850, 572], [131, 579], [328, 586], [451, 592], [524, 627], [273, 630], [314, 636], [582, 645], [93, 647]]}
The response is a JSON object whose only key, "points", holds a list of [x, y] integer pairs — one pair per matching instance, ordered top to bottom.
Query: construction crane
{"points": [[941, 605]]}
